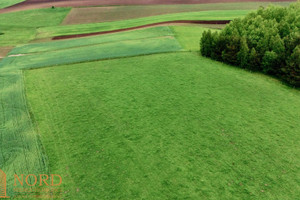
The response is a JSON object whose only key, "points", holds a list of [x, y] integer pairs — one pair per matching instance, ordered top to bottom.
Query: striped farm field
{"points": [[116, 13], [45, 32], [82, 51]]}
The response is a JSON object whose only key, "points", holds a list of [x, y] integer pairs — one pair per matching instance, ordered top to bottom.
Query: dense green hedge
{"points": [[267, 40]]}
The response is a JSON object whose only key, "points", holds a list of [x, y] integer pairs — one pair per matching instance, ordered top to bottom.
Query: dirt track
{"points": [[33, 4], [143, 26]]}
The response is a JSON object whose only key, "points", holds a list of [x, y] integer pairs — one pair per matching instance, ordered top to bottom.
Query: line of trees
{"points": [[267, 40]]}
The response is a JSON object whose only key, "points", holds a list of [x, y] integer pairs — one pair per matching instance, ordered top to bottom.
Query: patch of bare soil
{"points": [[4, 51]]}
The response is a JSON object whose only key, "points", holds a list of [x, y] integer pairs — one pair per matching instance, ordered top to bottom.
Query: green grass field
{"points": [[21, 27], [155, 32], [188, 36], [95, 48], [149, 118], [189, 128], [23, 152]]}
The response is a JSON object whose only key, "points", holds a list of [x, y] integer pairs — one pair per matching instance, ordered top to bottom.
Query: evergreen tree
{"points": [[243, 54], [254, 61], [270, 62], [292, 69]]}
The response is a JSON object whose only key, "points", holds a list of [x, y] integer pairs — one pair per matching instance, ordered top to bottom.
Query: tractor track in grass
{"points": [[142, 26]]}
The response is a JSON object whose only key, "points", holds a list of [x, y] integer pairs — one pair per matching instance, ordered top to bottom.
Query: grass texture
{"points": [[6, 3], [34, 18], [20, 27], [154, 32], [189, 36], [64, 53], [167, 126], [20, 148]]}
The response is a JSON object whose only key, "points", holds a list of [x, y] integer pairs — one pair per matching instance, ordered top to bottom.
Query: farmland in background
{"points": [[116, 13], [107, 26], [150, 117]]}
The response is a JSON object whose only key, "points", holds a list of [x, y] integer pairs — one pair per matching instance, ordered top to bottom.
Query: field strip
{"points": [[9, 3], [34, 4], [84, 15], [143, 26], [48, 32], [80, 42], [88, 45], [91, 53], [21, 151]]}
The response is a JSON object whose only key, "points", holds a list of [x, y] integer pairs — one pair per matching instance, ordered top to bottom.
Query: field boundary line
{"points": [[140, 27], [95, 44], [115, 58]]}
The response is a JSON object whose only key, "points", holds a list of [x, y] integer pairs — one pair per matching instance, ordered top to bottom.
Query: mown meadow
{"points": [[141, 114], [167, 126]]}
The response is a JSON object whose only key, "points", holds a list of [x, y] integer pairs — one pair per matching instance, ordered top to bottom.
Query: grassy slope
{"points": [[6, 3], [20, 27], [94, 27], [188, 36], [167, 126], [20, 149]]}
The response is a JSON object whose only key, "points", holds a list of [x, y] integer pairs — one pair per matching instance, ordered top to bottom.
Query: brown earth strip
{"points": [[34, 4], [143, 26], [4, 51]]}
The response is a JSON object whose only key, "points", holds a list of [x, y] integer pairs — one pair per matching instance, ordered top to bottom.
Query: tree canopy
{"points": [[267, 40]]}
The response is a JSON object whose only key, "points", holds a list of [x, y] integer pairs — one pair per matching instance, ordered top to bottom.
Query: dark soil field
{"points": [[34, 4]]}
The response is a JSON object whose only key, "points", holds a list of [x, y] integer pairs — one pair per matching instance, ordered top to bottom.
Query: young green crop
{"points": [[154, 32], [67, 54]]}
